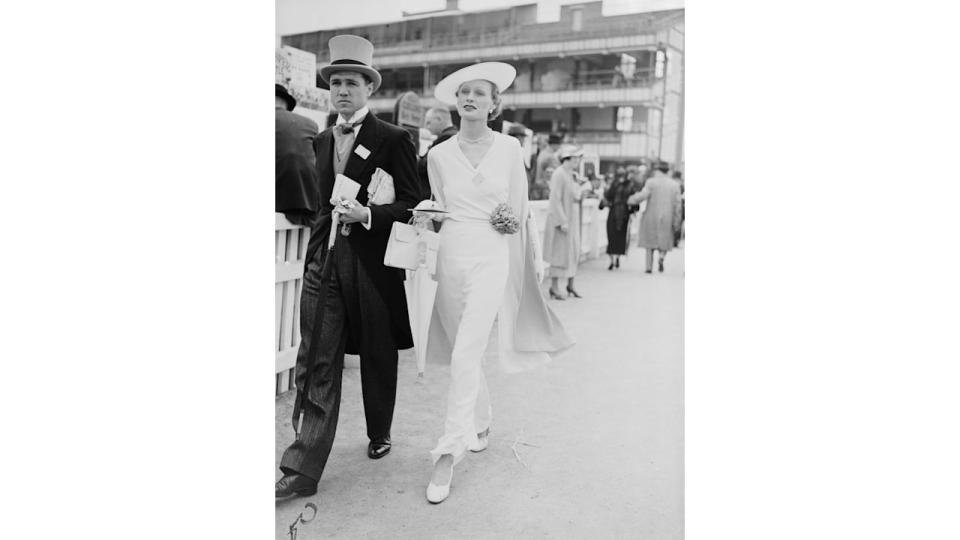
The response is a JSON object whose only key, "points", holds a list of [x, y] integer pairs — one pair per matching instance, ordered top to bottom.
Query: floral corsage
{"points": [[503, 219]]}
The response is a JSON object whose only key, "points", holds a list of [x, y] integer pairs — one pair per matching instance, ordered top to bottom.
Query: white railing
{"points": [[593, 226], [291, 248]]}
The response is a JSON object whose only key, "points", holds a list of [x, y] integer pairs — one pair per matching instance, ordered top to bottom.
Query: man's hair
{"points": [[442, 113]]}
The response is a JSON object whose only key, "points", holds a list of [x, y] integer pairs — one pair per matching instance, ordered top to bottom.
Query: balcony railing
{"points": [[463, 37], [638, 89], [579, 97], [598, 137]]}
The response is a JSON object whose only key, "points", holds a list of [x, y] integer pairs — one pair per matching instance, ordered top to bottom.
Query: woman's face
{"points": [[475, 99]]}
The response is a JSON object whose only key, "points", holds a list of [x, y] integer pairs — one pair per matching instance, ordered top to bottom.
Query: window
{"points": [[577, 15], [661, 60], [628, 66], [624, 118]]}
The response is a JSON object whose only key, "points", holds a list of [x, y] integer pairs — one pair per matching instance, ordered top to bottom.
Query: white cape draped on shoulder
{"points": [[527, 331]]}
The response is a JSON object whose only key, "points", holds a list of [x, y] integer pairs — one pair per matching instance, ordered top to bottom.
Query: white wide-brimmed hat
{"points": [[351, 53], [498, 73], [568, 152]]}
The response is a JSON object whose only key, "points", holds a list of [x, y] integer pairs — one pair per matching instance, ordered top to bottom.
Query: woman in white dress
{"points": [[488, 294]]}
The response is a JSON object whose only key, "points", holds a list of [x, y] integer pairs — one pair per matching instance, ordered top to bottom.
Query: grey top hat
{"points": [[351, 53], [569, 152]]}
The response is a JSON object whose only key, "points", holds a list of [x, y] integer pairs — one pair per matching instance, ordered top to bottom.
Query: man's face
{"points": [[349, 92], [433, 123]]}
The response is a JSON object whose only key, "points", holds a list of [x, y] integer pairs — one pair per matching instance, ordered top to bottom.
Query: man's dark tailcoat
{"points": [[390, 150], [364, 307]]}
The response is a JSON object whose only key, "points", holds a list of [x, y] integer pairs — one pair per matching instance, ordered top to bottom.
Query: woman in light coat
{"points": [[661, 216], [561, 240], [488, 276]]}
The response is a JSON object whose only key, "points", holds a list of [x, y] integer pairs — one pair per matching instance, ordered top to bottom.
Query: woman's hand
{"points": [[563, 228]]}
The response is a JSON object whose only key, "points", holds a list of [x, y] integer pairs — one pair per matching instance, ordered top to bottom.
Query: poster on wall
{"points": [[301, 67], [297, 71]]}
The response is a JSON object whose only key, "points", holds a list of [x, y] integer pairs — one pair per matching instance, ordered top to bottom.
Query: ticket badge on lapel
{"points": [[361, 151]]}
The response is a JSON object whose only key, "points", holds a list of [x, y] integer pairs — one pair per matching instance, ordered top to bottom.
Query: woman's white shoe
{"points": [[483, 440], [438, 493]]}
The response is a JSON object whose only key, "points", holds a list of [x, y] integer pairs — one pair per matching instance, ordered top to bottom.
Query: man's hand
{"points": [[351, 211], [563, 228]]}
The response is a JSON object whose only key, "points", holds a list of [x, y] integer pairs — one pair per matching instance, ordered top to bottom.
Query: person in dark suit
{"points": [[437, 120], [297, 193], [364, 307]]}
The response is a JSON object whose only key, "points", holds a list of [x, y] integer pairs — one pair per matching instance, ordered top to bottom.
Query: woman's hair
{"points": [[494, 94]]}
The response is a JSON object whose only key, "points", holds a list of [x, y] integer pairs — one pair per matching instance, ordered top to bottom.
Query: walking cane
{"points": [[325, 272]]}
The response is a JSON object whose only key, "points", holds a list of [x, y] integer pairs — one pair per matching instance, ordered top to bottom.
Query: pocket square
{"points": [[380, 189]]}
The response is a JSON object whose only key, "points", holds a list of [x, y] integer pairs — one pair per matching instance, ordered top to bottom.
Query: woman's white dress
{"points": [[484, 277]]}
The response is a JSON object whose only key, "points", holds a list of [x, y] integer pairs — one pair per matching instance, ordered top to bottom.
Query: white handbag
{"points": [[412, 247]]}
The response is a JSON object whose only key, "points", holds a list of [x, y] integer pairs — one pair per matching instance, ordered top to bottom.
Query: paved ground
{"points": [[600, 434]]}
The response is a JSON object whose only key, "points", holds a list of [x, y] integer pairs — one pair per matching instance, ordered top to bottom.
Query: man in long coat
{"points": [[297, 195], [662, 215], [364, 309]]}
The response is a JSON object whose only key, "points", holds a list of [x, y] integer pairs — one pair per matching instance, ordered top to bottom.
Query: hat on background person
{"points": [[351, 53], [498, 73], [281, 92], [517, 130], [555, 138], [569, 152], [662, 166]]}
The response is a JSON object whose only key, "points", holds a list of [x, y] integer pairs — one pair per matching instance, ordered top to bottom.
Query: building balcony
{"points": [[506, 46], [585, 95], [580, 97], [616, 145]]}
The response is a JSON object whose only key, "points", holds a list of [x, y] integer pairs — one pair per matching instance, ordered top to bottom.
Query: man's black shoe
{"points": [[378, 448], [295, 484]]}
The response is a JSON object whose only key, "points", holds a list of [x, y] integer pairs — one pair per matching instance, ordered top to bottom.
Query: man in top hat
{"points": [[297, 193], [364, 308]]}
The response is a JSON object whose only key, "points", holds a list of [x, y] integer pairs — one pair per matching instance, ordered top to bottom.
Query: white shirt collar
{"points": [[357, 116]]}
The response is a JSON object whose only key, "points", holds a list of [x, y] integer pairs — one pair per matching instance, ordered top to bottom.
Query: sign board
{"points": [[302, 67], [283, 68], [297, 71], [317, 99], [408, 111], [408, 114]]}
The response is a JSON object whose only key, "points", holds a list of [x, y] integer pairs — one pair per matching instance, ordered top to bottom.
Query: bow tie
{"points": [[346, 128]]}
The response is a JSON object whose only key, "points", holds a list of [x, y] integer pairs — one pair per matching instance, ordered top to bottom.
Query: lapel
{"points": [[370, 137]]}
